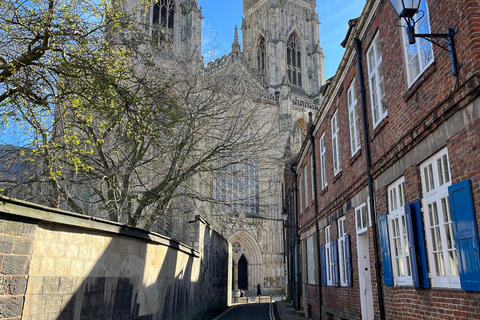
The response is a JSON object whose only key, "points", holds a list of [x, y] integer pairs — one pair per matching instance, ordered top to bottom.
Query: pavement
{"points": [[286, 311]]}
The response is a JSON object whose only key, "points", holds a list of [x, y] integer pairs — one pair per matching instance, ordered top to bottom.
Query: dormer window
{"points": [[294, 60]]}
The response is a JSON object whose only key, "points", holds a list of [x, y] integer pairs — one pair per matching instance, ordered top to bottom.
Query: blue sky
{"points": [[221, 16]]}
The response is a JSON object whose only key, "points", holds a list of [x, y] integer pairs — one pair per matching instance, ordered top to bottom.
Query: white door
{"points": [[365, 278]]}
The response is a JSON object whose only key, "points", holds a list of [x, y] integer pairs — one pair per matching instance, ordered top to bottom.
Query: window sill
{"points": [[419, 82], [379, 127], [355, 156], [337, 176], [324, 191], [404, 283]]}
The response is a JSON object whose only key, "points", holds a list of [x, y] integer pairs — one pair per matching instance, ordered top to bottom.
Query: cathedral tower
{"points": [[174, 22], [281, 38]]}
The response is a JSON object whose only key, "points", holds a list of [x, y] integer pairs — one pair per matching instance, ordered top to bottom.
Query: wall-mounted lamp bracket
{"points": [[435, 38]]}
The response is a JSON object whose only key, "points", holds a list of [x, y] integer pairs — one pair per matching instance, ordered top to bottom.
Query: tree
{"points": [[120, 125]]}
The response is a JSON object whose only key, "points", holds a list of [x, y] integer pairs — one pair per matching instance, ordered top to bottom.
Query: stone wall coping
{"points": [[51, 215], [202, 220]]}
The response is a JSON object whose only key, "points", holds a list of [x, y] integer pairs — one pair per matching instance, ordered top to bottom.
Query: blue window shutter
{"points": [[466, 235], [411, 246], [385, 249], [420, 249], [348, 261], [322, 263], [335, 276]]}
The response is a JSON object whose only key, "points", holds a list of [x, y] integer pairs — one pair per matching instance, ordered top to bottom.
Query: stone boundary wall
{"points": [[59, 265]]}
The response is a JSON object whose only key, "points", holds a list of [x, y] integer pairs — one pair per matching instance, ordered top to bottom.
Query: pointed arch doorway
{"points": [[247, 261], [243, 273]]}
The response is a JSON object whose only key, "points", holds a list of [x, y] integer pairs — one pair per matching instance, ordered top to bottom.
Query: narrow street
{"points": [[250, 311]]}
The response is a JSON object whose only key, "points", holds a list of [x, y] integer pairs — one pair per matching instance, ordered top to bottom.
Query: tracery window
{"points": [[162, 20], [262, 56], [294, 60], [237, 190], [236, 247]]}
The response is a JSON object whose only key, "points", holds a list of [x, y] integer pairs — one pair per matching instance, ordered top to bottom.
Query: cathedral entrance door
{"points": [[243, 273]]}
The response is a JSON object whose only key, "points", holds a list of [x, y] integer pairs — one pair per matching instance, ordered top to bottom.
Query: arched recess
{"points": [[261, 54], [295, 59], [302, 123], [297, 135], [251, 250]]}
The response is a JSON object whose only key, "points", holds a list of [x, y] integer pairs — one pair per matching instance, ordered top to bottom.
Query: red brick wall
{"points": [[415, 115]]}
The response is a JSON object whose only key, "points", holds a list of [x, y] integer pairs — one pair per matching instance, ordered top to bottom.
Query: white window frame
{"points": [[412, 57], [376, 81], [353, 119], [337, 163], [323, 165], [312, 175], [305, 180], [300, 193], [361, 218], [342, 253], [328, 256], [310, 261], [402, 269], [443, 273]]}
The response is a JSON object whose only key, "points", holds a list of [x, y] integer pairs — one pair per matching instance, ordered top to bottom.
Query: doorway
{"points": [[243, 273], [365, 277]]}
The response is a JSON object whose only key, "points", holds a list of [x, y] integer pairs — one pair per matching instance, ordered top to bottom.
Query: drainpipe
{"points": [[373, 215], [317, 231], [296, 238], [291, 246]]}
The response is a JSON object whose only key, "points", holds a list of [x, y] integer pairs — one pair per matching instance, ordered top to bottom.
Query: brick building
{"points": [[392, 221]]}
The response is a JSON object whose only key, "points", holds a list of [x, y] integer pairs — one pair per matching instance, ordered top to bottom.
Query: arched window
{"points": [[162, 20], [262, 55], [294, 60], [238, 184], [237, 190]]}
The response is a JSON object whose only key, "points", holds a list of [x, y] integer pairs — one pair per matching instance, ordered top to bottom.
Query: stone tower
{"points": [[174, 22], [280, 38]]}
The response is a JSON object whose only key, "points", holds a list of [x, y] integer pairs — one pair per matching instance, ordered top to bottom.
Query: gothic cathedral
{"points": [[281, 42], [281, 49]]}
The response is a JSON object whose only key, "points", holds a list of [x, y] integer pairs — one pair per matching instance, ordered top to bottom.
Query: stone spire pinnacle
{"points": [[236, 44]]}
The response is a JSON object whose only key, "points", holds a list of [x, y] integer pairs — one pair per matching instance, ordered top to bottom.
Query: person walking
{"points": [[259, 291]]}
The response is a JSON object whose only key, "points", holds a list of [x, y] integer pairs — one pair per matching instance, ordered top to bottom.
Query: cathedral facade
{"points": [[281, 44], [280, 50]]}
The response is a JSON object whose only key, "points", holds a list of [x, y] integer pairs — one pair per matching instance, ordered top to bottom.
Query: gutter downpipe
{"points": [[317, 231], [296, 239], [291, 271], [381, 305]]}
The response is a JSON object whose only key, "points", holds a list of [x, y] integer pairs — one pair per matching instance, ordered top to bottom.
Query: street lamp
{"points": [[407, 9], [284, 214]]}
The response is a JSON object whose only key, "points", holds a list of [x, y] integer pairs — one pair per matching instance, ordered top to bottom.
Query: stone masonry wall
{"points": [[16, 244], [59, 265], [215, 268]]}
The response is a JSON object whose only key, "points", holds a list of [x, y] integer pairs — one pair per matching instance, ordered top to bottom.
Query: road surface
{"points": [[250, 311]]}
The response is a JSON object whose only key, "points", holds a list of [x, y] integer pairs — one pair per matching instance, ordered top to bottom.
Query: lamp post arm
{"points": [[435, 39]]}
